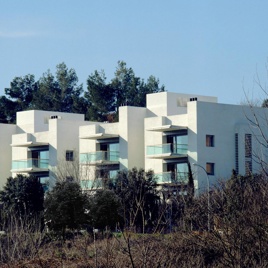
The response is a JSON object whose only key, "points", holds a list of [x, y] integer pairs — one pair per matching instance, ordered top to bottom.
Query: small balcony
{"points": [[167, 150], [100, 158], [30, 165], [172, 178], [91, 184]]}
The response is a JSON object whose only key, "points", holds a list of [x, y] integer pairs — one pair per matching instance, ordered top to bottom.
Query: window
{"points": [[210, 140], [176, 143], [248, 145], [112, 150], [236, 154], [69, 156], [40, 158], [248, 167], [210, 168]]}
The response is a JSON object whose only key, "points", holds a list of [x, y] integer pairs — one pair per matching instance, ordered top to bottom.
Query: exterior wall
{"points": [[168, 103], [205, 117], [37, 121], [223, 121], [141, 127], [130, 132], [59, 133], [63, 135], [152, 137], [131, 141], [87, 145], [21, 152], [5, 157]]}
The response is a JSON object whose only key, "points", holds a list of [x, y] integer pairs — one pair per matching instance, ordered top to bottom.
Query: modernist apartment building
{"points": [[171, 131], [44, 140]]}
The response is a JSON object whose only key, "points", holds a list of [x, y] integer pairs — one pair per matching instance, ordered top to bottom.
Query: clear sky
{"points": [[206, 47]]}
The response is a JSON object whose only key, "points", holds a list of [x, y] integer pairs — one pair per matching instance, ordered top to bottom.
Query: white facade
{"points": [[173, 130], [6, 131], [43, 141], [106, 148]]}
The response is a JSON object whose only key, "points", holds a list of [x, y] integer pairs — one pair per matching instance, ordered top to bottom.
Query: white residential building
{"points": [[171, 131], [43, 141]]}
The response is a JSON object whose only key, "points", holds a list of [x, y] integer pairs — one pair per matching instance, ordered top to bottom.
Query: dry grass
{"points": [[130, 250]]}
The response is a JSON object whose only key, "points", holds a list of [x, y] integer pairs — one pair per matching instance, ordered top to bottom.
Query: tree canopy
{"points": [[125, 88], [61, 92], [19, 97], [23, 196], [139, 198], [65, 206], [104, 209]]}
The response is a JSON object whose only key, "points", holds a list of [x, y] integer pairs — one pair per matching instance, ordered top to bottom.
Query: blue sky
{"points": [[204, 47]]}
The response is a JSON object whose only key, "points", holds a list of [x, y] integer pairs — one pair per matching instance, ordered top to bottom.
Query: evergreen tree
{"points": [[60, 93], [18, 97], [22, 196], [139, 198], [65, 207], [104, 209]]}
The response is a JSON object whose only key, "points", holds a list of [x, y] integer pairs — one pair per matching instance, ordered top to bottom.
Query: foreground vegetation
{"points": [[178, 235], [180, 249]]}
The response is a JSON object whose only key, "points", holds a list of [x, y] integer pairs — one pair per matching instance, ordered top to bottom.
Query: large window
{"points": [[210, 140], [178, 143], [112, 150], [39, 158], [210, 168], [178, 172]]}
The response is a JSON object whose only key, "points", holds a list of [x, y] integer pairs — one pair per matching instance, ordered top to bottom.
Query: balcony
{"points": [[167, 128], [100, 136], [167, 150], [100, 158], [30, 165], [172, 178], [91, 184]]}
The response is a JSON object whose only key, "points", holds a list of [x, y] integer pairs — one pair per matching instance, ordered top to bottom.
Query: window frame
{"points": [[210, 140], [69, 155], [210, 168]]}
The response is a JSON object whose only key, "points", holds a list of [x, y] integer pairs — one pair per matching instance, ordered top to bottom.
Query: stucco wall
{"points": [[131, 141], [6, 151]]}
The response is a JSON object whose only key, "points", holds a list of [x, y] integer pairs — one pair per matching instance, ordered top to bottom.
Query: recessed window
{"points": [[210, 140], [248, 145], [69, 156], [248, 167], [210, 168]]}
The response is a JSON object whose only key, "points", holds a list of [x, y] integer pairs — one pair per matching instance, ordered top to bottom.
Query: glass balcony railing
{"points": [[167, 148], [109, 156], [30, 163], [172, 177], [91, 184]]}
